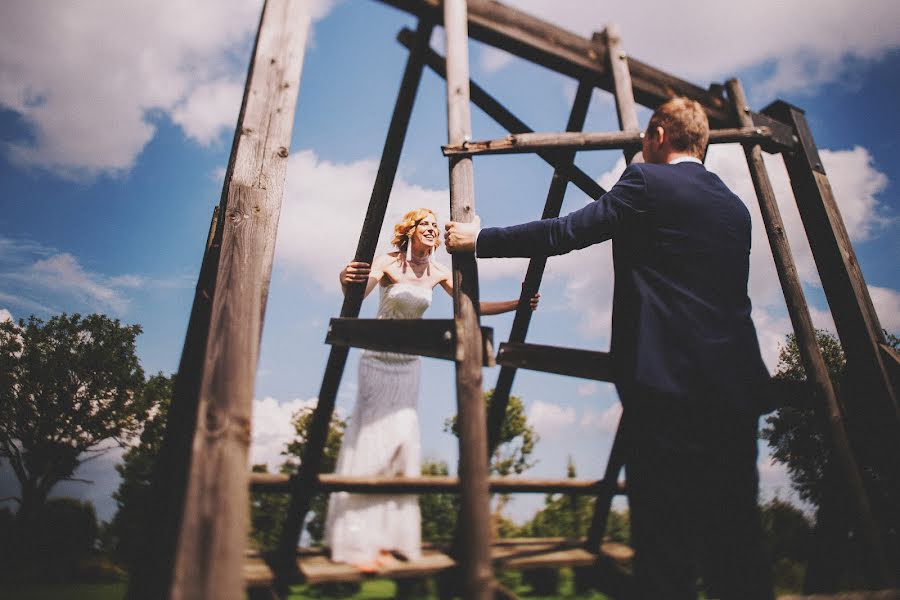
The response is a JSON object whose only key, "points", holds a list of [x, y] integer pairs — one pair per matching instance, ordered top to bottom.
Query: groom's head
{"points": [[679, 126]]}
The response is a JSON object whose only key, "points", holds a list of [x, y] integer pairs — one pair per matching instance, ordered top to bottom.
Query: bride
{"points": [[382, 438]]}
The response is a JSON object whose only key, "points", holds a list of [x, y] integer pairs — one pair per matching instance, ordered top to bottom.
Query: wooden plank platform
{"points": [[576, 140], [422, 337], [586, 364], [329, 482], [514, 554]]}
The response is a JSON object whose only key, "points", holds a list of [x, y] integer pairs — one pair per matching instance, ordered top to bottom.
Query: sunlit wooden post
{"points": [[197, 537], [475, 555]]}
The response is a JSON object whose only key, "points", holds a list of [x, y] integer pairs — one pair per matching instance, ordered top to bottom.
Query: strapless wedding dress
{"points": [[381, 439]]}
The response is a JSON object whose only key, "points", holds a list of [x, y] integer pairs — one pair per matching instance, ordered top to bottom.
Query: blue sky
{"points": [[115, 127]]}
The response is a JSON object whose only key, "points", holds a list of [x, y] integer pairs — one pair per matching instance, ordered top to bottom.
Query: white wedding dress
{"points": [[382, 439]]}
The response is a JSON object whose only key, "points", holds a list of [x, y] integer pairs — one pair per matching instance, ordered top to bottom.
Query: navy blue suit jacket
{"points": [[681, 313]]}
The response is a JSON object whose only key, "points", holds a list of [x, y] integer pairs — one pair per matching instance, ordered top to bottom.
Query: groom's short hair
{"points": [[685, 124]]}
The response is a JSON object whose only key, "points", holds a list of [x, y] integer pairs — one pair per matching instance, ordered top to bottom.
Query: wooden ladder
{"points": [[198, 531]]}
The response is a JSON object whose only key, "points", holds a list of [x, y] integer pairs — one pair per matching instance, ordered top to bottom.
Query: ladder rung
{"points": [[618, 140], [423, 337], [586, 364], [329, 482], [522, 553]]}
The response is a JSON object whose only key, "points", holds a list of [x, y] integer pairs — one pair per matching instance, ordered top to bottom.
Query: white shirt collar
{"points": [[682, 159]]}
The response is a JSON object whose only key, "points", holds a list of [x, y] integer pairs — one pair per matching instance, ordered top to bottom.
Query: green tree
{"points": [[69, 386], [796, 435], [799, 439], [514, 449], [294, 450], [136, 470], [438, 510], [267, 512], [563, 515], [788, 535]]}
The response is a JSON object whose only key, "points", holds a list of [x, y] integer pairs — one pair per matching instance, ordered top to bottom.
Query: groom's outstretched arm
{"points": [[595, 223]]}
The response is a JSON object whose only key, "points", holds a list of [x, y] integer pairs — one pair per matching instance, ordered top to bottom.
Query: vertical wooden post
{"points": [[623, 89], [627, 113], [535, 271], [842, 280], [813, 363], [303, 487], [202, 517], [475, 557]]}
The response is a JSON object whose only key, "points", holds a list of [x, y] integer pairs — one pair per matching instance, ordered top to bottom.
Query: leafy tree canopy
{"points": [[69, 386], [136, 470]]}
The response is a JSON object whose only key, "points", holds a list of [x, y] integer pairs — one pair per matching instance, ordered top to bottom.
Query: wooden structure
{"points": [[197, 535]]}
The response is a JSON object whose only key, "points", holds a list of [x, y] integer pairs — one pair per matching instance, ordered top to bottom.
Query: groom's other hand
{"points": [[461, 237]]}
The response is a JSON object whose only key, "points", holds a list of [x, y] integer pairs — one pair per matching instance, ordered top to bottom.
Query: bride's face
{"points": [[426, 234]]}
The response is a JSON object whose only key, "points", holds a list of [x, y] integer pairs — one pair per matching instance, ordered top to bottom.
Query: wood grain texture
{"points": [[548, 45], [617, 140], [435, 338], [586, 364], [828, 408], [330, 482], [474, 522], [200, 525], [314, 566]]}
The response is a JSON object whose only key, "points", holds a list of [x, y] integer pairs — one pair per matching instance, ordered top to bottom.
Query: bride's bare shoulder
{"points": [[385, 260]]}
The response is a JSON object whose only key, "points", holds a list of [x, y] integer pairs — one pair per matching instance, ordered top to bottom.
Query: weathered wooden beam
{"points": [[553, 47], [623, 90], [506, 119], [628, 121], [781, 135], [617, 140], [365, 252], [535, 272], [842, 280], [422, 337], [586, 364], [817, 375], [872, 407], [329, 482], [210, 505], [475, 554], [313, 566]]}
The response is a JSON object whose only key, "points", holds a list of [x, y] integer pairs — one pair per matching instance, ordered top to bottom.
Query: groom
{"points": [[687, 362]]}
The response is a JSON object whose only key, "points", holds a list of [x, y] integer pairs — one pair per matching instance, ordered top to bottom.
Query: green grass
{"points": [[370, 590], [62, 591]]}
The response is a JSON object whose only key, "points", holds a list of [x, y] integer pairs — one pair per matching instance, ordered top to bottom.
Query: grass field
{"points": [[371, 590]]}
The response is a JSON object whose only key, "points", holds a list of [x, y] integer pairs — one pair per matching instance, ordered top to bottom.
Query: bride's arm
{"points": [[359, 272], [488, 307]]}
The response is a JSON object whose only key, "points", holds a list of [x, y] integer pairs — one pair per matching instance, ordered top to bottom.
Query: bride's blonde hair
{"points": [[409, 222]]}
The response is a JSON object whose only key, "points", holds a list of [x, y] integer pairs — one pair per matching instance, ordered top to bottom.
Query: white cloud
{"points": [[810, 43], [493, 59], [89, 77], [210, 109], [323, 211], [62, 273], [43, 280], [887, 306], [5, 315], [587, 388], [548, 418], [606, 422], [272, 429]]}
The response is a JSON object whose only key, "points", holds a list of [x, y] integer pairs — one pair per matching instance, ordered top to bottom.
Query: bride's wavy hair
{"points": [[409, 222]]}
